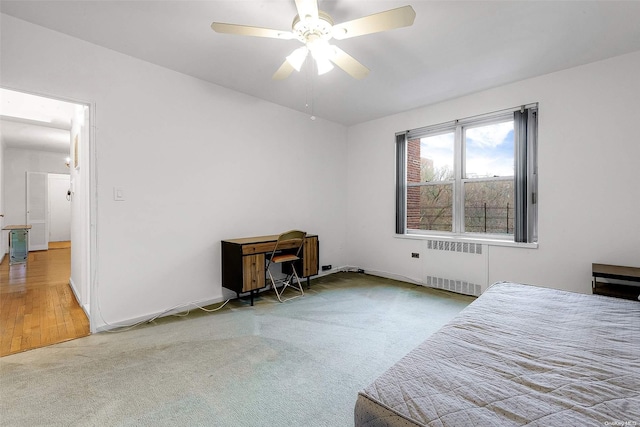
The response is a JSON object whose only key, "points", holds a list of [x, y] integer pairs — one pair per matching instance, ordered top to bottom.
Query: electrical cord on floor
{"points": [[186, 313], [125, 328]]}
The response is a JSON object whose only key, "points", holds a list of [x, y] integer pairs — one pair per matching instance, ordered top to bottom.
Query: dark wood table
{"points": [[628, 290]]}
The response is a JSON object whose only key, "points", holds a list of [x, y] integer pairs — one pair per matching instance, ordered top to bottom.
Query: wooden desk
{"points": [[243, 262], [619, 290]]}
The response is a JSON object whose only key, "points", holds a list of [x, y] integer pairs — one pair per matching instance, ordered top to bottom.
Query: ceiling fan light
{"points": [[321, 49], [297, 57], [324, 65]]}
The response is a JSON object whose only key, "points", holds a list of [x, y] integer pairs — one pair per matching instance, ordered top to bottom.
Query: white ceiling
{"points": [[453, 48], [33, 122]]}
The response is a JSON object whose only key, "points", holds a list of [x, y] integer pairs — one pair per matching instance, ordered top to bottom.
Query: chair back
{"points": [[290, 240]]}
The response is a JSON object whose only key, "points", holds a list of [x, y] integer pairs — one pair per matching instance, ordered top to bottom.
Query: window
{"points": [[474, 176]]}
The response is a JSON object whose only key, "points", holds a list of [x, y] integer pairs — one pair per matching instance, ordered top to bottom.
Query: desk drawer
{"points": [[258, 248], [261, 248]]}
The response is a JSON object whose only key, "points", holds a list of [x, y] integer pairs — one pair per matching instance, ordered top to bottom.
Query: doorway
{"points": [[47, 299]]}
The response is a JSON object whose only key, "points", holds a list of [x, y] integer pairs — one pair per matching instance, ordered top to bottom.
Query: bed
{"points": [[519, 355]]}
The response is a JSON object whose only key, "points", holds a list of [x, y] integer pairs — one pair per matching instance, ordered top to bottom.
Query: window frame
{"points": [[440, 130], [525, 158]]}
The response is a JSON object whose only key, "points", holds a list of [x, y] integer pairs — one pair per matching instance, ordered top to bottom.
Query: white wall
{"points": [[16, 162], [197, 164], [589, 200]]}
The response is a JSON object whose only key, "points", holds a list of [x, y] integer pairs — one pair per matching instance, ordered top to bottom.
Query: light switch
{"points": [[118, 194]]}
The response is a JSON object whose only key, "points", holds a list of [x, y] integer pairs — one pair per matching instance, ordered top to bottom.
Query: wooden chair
{"points": [[287, 251]]}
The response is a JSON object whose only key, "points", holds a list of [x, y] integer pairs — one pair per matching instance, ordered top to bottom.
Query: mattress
{"points": [[519, 355]]}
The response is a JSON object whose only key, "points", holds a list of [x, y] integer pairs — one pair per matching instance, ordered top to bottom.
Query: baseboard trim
{"points": [[342, 269], [393, 276], [75, 294], [134, 321]]}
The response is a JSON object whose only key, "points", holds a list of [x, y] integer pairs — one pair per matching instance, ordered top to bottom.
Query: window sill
{"points": [[465, 239]]}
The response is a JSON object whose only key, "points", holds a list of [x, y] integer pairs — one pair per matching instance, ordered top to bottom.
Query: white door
{"points": [[37, 183], [59, 208]]}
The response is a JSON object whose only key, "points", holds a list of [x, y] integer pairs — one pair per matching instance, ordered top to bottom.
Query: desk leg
{"points": [[308, 282]]}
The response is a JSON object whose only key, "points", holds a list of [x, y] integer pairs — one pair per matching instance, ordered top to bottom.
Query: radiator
{"points": [[456, 266]]}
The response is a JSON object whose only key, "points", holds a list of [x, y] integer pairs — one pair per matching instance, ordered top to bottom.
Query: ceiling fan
{"points": [[314, 28]]}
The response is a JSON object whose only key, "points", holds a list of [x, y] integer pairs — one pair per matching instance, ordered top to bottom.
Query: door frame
{"points": [[91, 226]]}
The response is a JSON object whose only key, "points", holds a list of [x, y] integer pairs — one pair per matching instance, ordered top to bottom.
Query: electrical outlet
{"points": [[415, 255], [326, 267]]}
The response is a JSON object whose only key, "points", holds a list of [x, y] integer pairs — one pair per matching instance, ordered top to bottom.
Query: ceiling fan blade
{"points": [[307, 8], [383, 21], [244, 30], [349, 64], [283, 72]]}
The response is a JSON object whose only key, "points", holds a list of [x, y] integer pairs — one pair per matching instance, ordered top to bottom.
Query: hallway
{"points": [[37, 305]]}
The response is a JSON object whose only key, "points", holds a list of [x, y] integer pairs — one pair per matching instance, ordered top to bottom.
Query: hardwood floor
{"points": [[59, 245], [37, 305]]}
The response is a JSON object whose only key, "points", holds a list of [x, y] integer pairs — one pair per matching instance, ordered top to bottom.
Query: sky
{"points": [[489, 150]]}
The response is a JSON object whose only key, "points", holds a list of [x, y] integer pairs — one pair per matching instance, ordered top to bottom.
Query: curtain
{"points": [[525, 129], [401, 183]]}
